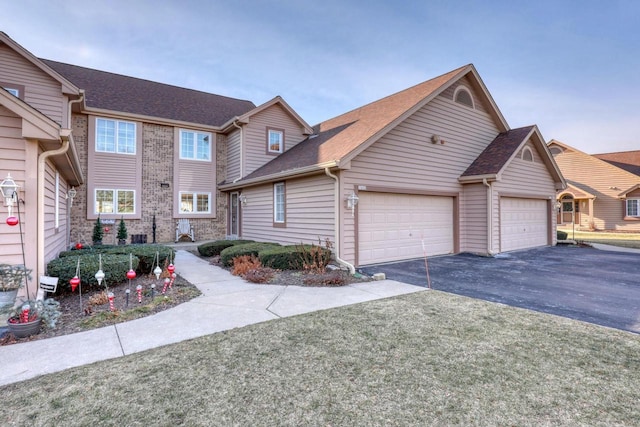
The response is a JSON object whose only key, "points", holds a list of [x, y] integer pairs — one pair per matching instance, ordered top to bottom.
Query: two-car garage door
{"points": [[394, 227]]}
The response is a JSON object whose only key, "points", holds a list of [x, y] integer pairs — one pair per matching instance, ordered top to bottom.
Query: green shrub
{"points": [[562, 235], [214, 248], [146, 253], [228, 254], [294, 257], [114, 266]]}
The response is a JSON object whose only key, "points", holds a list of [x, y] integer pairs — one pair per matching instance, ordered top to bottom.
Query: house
{"points": [[432, 169], [603, 190]]}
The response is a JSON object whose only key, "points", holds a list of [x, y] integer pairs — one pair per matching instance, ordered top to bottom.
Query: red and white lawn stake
{"points": [[173, 279], [74, 283], [166, 284], [139, 291], [111, 298], [25, 313]]}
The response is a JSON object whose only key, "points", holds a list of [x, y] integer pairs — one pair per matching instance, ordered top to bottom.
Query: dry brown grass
{"points": [[422, 359]]}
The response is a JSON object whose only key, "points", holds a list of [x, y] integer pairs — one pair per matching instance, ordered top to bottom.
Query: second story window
{"points": [[13, 91], [115, 136], [275, 141], [195, 145]]}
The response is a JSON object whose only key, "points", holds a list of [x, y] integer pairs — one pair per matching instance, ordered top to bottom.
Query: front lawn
{"points": [[627, 240], [428, 358]]}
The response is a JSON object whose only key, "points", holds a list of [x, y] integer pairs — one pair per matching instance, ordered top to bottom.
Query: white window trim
{"points": [[459, 89], [117, 122], [281, 133], [195, 148], [524, 150], [276, 186], [195, 195], [115, 201], [626, 206]]}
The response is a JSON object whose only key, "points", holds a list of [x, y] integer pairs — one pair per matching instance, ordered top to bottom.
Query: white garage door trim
{"points": [[524, 223], [392, 227]]}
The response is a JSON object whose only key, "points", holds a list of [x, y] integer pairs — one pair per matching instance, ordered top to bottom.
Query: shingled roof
{"points": [[115, 92], [342, 137], [497, 154], [627, 160]]}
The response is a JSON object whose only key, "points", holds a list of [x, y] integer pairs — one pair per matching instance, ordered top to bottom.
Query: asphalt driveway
{"points": [[581, 283]]}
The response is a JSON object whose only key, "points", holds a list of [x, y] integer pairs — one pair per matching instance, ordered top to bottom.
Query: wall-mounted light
{"points": [[435, 139], [164, 185], [9, 190], [71, 194], [243, 199], [352, 201]]}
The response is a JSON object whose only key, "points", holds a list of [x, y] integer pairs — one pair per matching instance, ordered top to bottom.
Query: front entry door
{"points": [[234, 214]]}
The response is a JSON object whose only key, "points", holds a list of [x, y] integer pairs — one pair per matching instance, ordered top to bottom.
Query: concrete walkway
{"points": [[226, 302]]}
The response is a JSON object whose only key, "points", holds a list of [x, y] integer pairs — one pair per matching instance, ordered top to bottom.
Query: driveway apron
{"points": [[595, 286]]}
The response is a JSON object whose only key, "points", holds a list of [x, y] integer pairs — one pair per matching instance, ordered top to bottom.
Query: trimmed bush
{"points": [[562, 235], [214, 248], [146, 253], [228, 254], [292, 257], [114, 266]]}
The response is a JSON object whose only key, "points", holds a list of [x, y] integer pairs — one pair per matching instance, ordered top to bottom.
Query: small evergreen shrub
{"points": [[122, 231], [97, 232], [562, 235], [210, 249], [146, 254], [228, 254], [296, 257], [114, 266]]}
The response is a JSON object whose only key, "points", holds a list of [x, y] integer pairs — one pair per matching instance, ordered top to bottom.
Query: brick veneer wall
{"points": [[157, 168]]}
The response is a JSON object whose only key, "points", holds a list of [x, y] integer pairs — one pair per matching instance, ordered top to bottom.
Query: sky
{"points": [[568, 66]]}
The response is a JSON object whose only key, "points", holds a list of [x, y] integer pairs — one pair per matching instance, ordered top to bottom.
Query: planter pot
{"points": [[122, 241], [8, 298], [23, 330]]}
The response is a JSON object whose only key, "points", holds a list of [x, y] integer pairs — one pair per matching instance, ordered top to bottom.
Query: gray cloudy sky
{"points": [[570, 67]]}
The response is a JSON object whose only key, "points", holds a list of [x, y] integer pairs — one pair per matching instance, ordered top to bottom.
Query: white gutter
{"points": [[241, 153], [317, 168], [489, 216], [351, 268]]}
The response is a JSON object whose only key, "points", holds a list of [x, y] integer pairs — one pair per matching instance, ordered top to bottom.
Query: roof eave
{"points": [[149, 119], [293, 173]]}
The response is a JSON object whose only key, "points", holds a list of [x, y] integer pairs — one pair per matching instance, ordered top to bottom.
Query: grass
{"points": [[627, 240], [422, 359]]}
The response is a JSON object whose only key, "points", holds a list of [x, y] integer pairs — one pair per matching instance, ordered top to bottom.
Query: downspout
{"points": [[65, 135], [241, 153], [489, 216], [350, 266]]}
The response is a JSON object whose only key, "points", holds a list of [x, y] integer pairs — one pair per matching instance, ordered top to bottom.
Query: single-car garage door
{"points": [[524, 223], [392, 227]]}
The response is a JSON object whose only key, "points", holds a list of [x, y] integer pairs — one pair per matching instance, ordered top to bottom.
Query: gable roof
{"points": [[67, 86], [118, 93], [246, 117], [340, 139], [498, 154], [627, 160], [578, 191]]}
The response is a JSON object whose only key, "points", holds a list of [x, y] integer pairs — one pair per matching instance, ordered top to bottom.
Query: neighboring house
{"points": [[433, 169], [603, 191]]}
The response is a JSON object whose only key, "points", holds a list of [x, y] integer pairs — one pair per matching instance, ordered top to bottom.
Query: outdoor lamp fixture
{"points": [[9, 190], [71, 194], [243, 199], [352, 201]]}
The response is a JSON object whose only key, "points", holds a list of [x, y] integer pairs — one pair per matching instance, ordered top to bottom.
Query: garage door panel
{"points": [[401, 222], [523, 223]]}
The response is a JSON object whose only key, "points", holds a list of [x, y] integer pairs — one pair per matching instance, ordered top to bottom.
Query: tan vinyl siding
{"points": [[466, 82], [41, 91], [255, 149], [233, 155], [405, 158], [14, 161], [112, 171], [195, 176], [523, 178], [605, 182], [474, 213], [309, 214], [55, 238]]}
